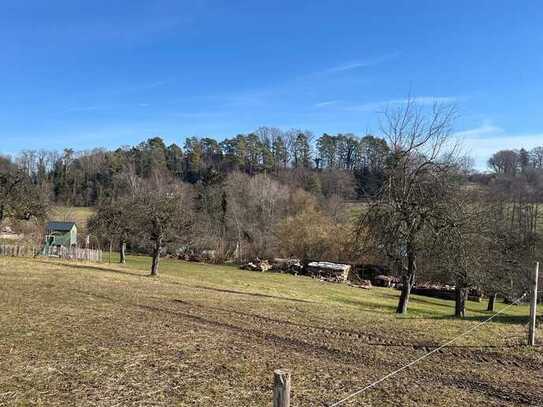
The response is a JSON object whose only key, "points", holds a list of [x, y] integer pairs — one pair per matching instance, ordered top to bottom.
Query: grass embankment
{"points": [[208, 335]]}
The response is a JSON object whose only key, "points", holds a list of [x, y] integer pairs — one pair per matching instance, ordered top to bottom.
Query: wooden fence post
{"points": [[533, 306], [281, 388]]}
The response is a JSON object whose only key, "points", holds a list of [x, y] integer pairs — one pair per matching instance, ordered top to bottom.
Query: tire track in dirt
{"points": [[321, 334], [365, 338], [289, 343], [318, 344], [320, 350], [481, 356], [508, 394]]}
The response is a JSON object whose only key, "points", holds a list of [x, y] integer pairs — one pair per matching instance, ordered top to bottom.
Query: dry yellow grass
{"points": [[79, 215], [75, 334]]}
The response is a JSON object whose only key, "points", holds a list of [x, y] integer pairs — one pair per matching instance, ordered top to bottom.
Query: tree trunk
{"points": [[122, 253], [156, 258], [408, 281], [404, 296], [460, 301], [491, 302]]}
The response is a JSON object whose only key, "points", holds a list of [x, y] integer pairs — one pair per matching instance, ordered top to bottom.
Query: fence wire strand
{"points": [[371, 385]]}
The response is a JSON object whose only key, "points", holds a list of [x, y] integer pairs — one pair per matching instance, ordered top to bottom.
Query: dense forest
{"points": [[344, 164], [406, 200]]}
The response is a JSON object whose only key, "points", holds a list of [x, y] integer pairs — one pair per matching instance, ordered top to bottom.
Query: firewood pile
{"points": [[197, 256], [257, 265], [289, 266], [326, 271], [385, 281]]}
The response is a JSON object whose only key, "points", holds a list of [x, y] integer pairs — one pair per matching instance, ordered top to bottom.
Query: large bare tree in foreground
{"points": [[417, 173], [162, 214], [456, 246]]}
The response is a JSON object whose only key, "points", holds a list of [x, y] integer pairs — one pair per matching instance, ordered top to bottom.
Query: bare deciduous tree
{"points": [[505, 162], [415, 182], [19, 197], [255, 205], [162, 215], [113, 221], [512, 236], [455, 247]]}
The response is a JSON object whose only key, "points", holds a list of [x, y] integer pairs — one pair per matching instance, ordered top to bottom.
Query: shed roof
{"points": [[60, 226]]}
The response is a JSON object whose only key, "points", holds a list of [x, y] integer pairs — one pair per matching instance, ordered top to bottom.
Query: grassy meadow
{"points": [[79, 215], [206, 335]]}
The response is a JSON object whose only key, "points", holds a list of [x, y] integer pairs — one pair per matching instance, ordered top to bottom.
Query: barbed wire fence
{"points": [[426, 355], [282, 386]]}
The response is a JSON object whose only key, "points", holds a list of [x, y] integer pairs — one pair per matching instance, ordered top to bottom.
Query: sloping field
{"points": [[79, 215], [74, 334]]}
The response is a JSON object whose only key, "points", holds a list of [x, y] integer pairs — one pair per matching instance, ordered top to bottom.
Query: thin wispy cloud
{"points": [[140, 25], [364, 63], [347, 67], [305, 83], [141, 87], [133, 88], [252, 98], [428, 100], [421, 101], [327, 103], [98, 108], [84, 109], [200, 114], [483, 131], [486, 139]]}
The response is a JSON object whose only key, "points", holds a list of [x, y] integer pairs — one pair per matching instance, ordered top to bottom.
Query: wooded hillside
{"points": [[416, 205]]}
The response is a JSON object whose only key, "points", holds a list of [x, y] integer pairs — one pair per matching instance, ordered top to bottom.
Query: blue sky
{"points": [[107, 73]]}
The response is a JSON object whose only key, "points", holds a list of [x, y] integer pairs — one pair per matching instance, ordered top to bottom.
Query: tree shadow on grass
{"points": [[92, 267], [136, 274], [251, 294], [389, 295], [417, 298], [365, 304], [449, 304], [502, 319]]}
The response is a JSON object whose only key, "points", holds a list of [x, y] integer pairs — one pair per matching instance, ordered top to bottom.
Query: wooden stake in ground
{"points": [[533, 307], [281, 388]]}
